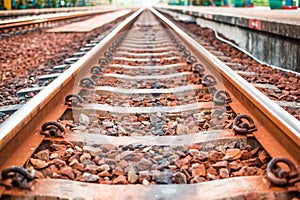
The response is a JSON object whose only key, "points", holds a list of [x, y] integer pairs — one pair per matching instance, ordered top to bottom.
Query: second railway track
{"points": [[149, 114]]}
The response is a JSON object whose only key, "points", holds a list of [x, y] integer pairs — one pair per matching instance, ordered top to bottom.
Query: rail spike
{"points": [[180, 48], [112, 49], [186, 53], [109, 56], [191, 59], [103, 61], [198, 68], [97, 69], [208, 80], [87, 83], [221, 97], [73, 100], [241, 127], [53, 129], [20, 176], [281, 177]]}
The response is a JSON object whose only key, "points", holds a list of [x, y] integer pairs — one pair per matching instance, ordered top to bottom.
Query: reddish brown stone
{"points": [[195, 146], [232, 154], [246, 155], [215, 156], [263, 156], [184, 161], [123, 164], [220, 164], [235, 165], [78, 166], [92, 169], [198, 170], [212, 170], [67, 171], [224, 173], [104, 174], [197, 179], [120, 180]]}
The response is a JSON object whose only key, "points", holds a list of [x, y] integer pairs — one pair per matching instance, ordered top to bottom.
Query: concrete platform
{"points": [[279, 21], [270, 35]]}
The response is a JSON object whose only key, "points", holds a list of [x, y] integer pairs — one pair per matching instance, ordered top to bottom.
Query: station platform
{"points": [[279, 21], [272, 36]]}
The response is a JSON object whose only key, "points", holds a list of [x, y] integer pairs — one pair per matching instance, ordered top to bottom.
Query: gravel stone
{"points": [[84, 120], [233, 154], [43, 155], [85, 156], [215, 156], [38, 164], [144, 164], [220, 164], [104, 167], [198, 170], [67, 171], [224, 173], [132, 177], [91, 178], [179, 178], [120, 180]]}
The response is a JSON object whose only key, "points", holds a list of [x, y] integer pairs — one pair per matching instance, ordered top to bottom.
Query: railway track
{"points": [[16, 14], [25, 24], [149, 114]]}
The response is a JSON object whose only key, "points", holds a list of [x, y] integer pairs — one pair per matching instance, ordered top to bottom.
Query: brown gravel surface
{"points": [[25, 57], [287, 83], [148, 84], [148, 100], [145, 124], [147, 165]]}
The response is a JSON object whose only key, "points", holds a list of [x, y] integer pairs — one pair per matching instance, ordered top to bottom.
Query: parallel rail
{"points": [[17, 24], [277, 131]]}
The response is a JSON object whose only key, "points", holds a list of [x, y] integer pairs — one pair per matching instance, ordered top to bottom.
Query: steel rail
{"points": [[9, 24], [282, 135]]}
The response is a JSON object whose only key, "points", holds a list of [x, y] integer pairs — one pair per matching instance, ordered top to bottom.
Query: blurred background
{"points": [[28, 4]]}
